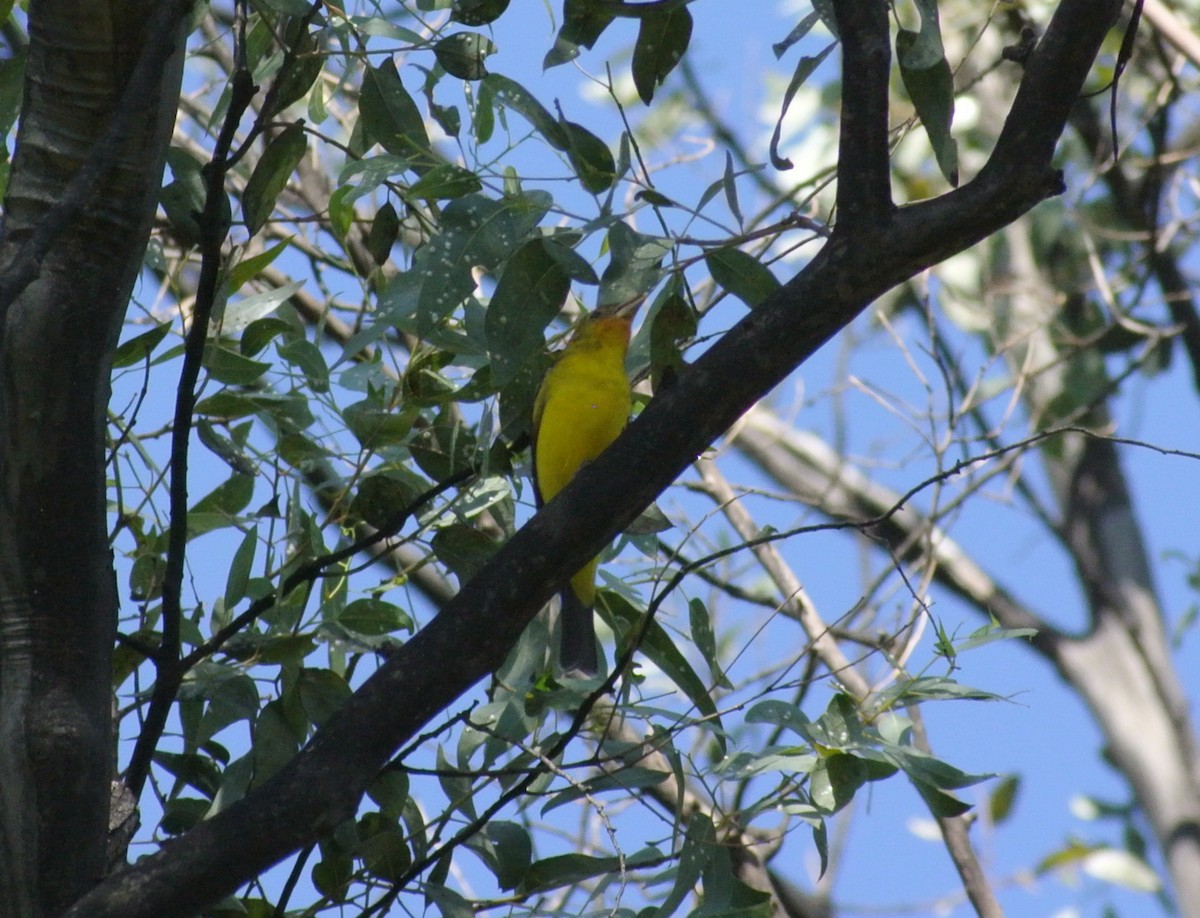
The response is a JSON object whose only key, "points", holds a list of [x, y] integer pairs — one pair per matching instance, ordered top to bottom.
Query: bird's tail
{"points": [[578, 650]]}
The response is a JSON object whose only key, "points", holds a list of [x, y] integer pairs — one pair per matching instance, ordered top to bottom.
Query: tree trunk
{"points": [[101, 93]]}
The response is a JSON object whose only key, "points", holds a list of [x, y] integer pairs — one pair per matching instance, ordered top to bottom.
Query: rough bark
{"points": [[89, 156]]}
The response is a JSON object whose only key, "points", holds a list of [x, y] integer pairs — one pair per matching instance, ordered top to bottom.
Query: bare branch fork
{"points": [[873, 248]]}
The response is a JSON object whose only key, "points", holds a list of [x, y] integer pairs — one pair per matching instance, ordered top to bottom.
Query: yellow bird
{"points": [[581, 407]]}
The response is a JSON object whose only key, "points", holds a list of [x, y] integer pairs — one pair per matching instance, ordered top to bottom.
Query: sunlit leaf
{"points": [[741, 274], [1003, 798]]}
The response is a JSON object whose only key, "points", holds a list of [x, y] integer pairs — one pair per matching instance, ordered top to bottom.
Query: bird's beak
{"points": [[623, 310]]}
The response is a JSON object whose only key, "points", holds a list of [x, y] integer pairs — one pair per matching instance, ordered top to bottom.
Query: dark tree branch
{"points": [[864, 191], [169, 671], [321, 786]]}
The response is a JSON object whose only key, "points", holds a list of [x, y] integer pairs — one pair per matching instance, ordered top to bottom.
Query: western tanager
{"points": [[582, 405]]}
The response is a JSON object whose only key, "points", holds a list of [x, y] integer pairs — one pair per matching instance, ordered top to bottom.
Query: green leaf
{"points": [[288, 7], [477, 12], [583, 23], [805, 25], [662, 40], [923, 49], [462, 54], [803, 71], [294, 81], [12, 82], [930, 84], [515, 97], [392, 119], [590, 157], [271, 175], [444, 181], [729, 182], [183, 202], [341, 210], [385, 228], [475, 232], [560, 248], [635, 265], [248, 268], [741, 274], [530, 293], [240, 313], [672, 324], [261, 332], [139, 348], [308, 359], [230, 367], [289, 409], [375, 426], [443, 450], [381, 497], [228, 498], [650, 521], [463, 549], [239, 569], [146, 577], [374, 617], [990, 633], [705, 640], [270, 649], [660, 649], [930, 688], [322, 692], [230, 698], [781, 714], [839, 727], [275, 742], [786, 760], [926, 768], [196, 771], [933, 779], [835, 780], [456, 786], [390, 790], [1003, 799], [940, 803], [181, 814], [699, 842], [821, 843], [383, 851], [513, 851], [1072, 853], [569, 869], [332, 874], [449, 903]]}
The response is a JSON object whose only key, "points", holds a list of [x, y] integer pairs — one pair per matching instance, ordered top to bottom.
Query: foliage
{"points": [[408, 219]]}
